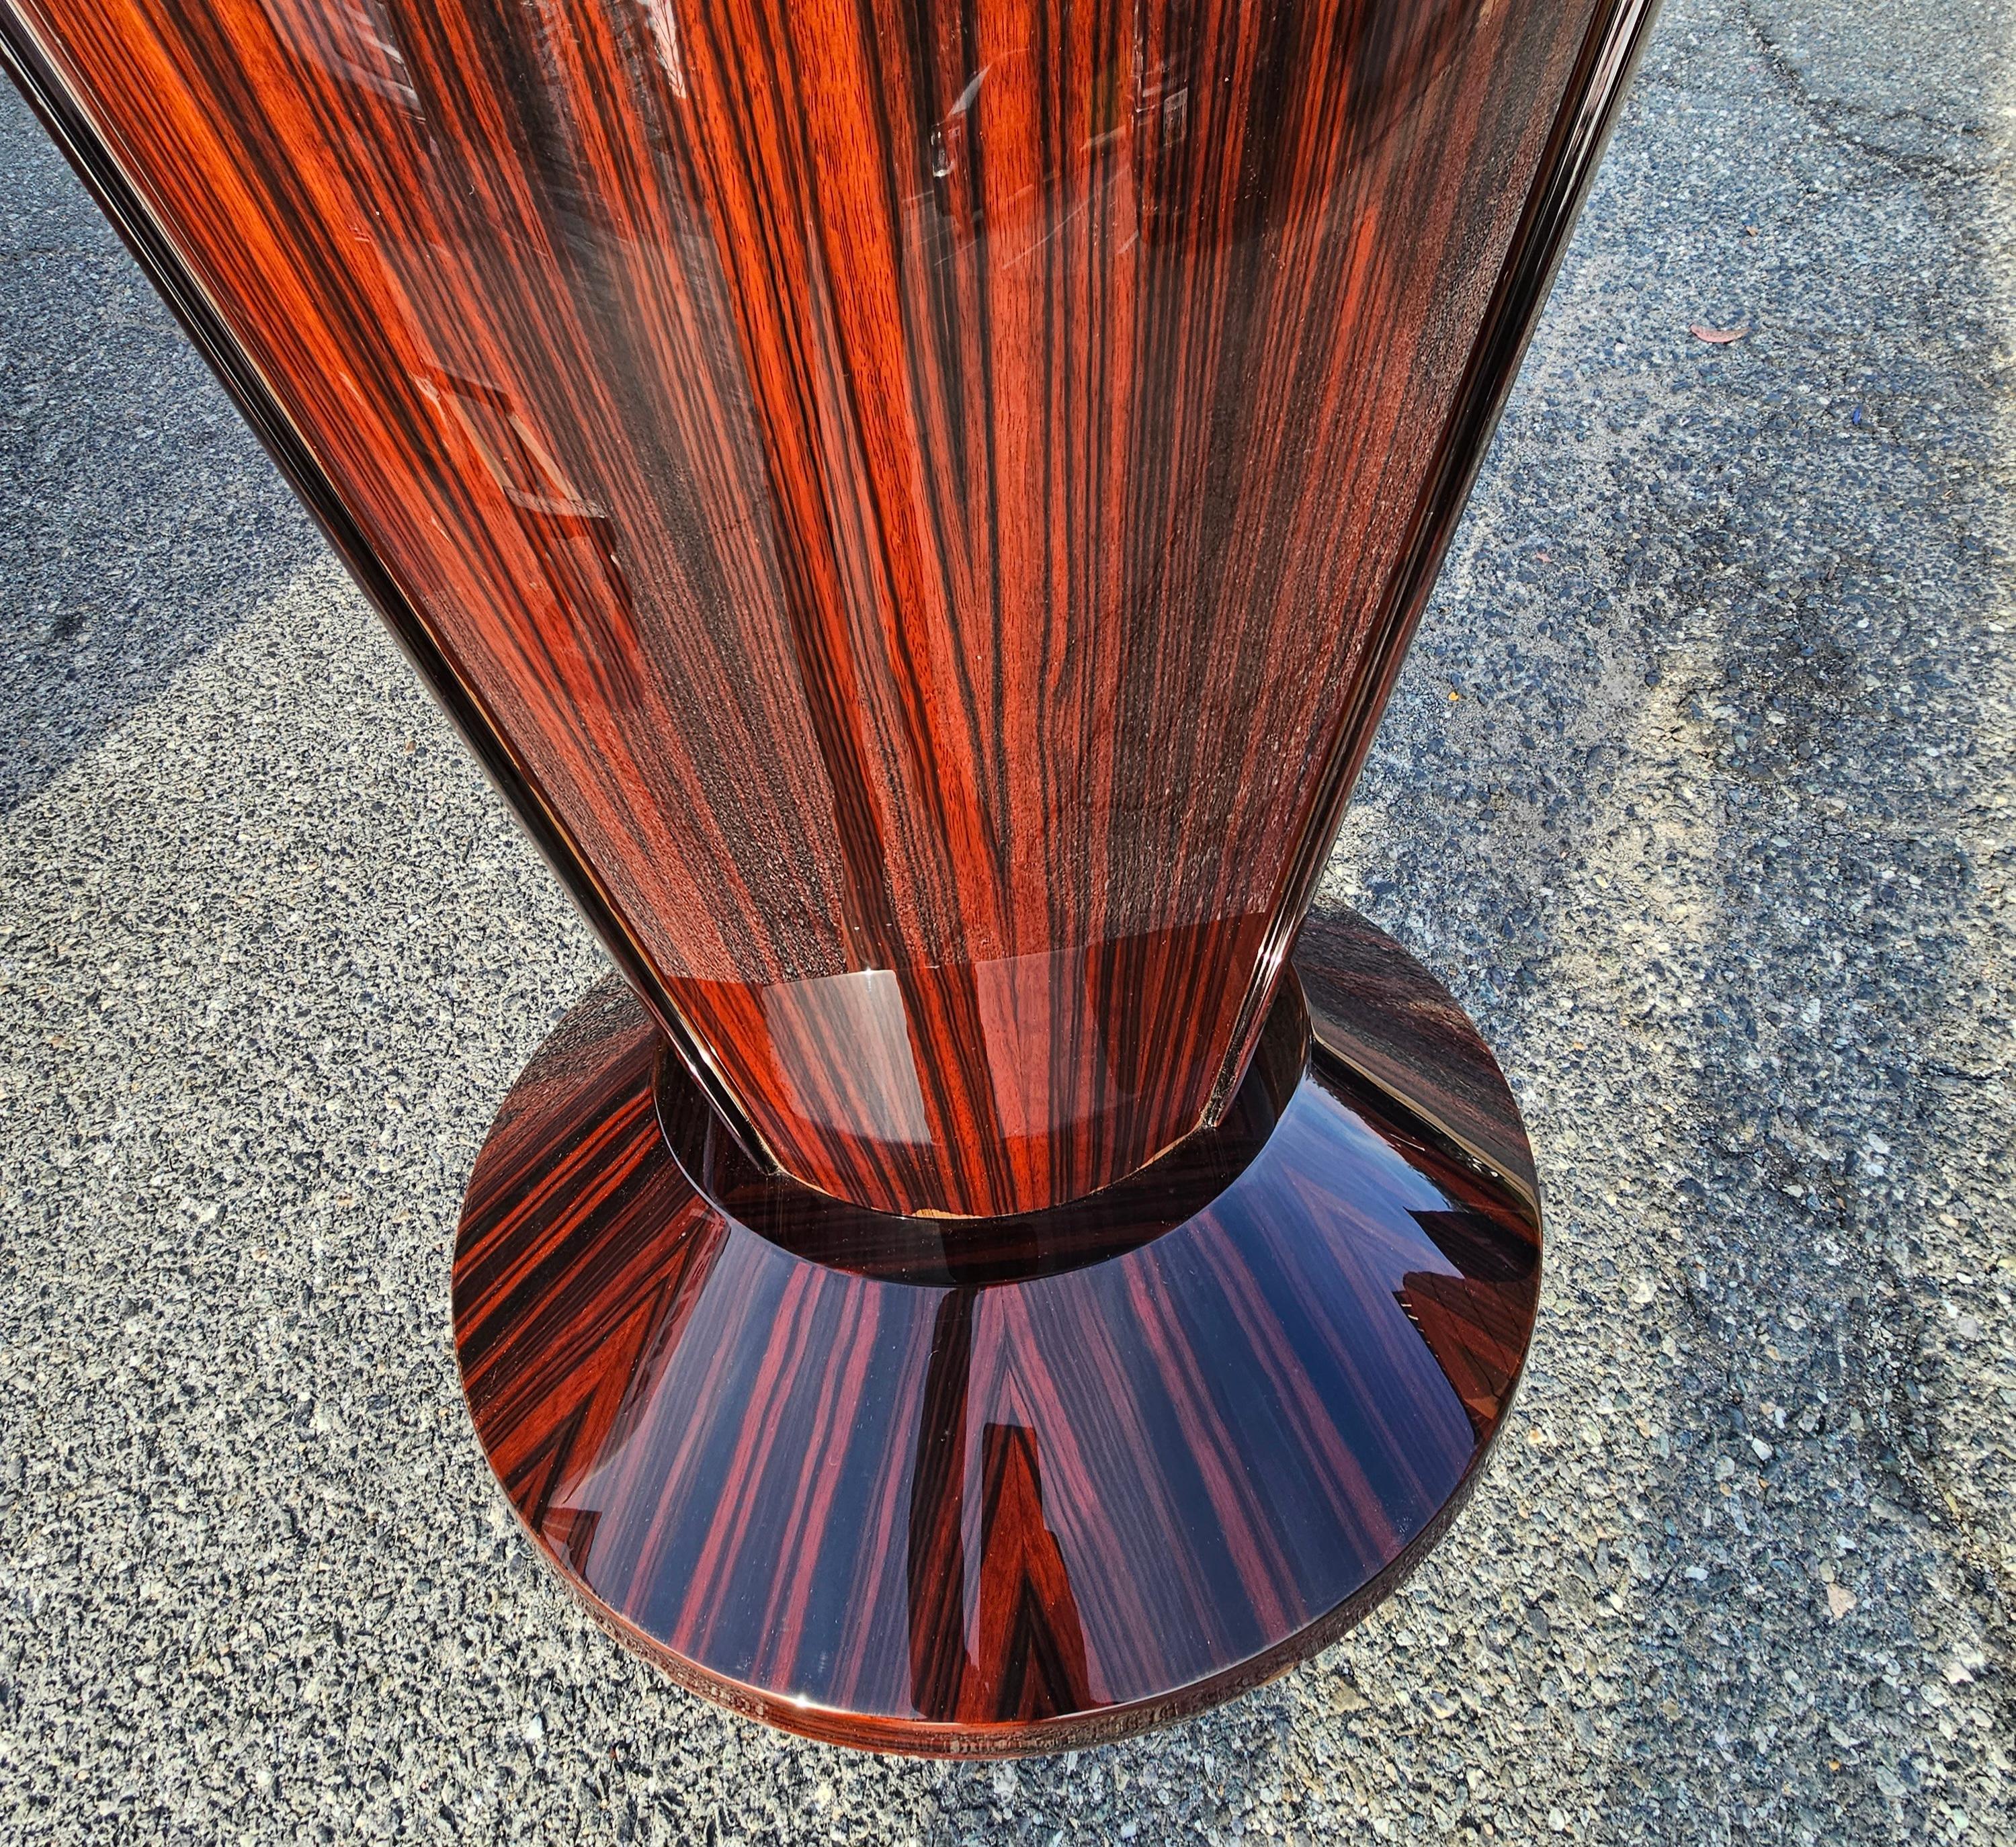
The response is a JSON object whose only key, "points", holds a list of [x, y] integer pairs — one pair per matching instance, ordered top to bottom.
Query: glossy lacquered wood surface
{"points": [[919, 503], [1138, 1456]]}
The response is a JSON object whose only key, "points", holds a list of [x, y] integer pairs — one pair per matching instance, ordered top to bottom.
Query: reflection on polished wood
{"points": [[919, 506], [1154, 1449]]}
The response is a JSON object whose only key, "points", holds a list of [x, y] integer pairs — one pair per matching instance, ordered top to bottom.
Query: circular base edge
{"points": [[604, 1307]]}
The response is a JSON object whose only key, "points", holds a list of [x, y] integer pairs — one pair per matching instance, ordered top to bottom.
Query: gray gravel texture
{"points": [[1698, 790]]}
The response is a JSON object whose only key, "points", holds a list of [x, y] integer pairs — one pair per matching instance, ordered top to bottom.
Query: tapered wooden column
{"points": [[918, 506]]}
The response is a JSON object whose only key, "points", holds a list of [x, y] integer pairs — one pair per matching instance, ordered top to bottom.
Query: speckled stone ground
{"points": [[1699, 790]]}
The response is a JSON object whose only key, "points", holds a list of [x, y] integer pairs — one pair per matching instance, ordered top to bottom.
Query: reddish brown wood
{"points": [[918, 504], [919, 507], [1111, 1474]]}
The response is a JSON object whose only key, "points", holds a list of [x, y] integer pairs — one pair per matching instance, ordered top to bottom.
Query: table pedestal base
{"points": [[979, 1487]]}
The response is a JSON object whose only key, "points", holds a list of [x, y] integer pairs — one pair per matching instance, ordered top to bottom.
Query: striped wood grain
{"points": [[919, 503]]}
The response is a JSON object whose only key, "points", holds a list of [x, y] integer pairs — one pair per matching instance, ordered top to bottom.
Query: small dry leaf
{"points": [[1718, 336], [1840, 1601]]}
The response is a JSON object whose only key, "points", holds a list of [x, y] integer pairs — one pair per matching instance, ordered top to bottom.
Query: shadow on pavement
{"points": [[139, 520]]}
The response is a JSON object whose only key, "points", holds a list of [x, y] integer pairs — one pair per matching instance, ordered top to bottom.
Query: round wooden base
{"points": [[981, 1487]]}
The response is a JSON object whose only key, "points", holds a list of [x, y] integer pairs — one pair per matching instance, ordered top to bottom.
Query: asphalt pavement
{"points": [[1698, 791]]}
